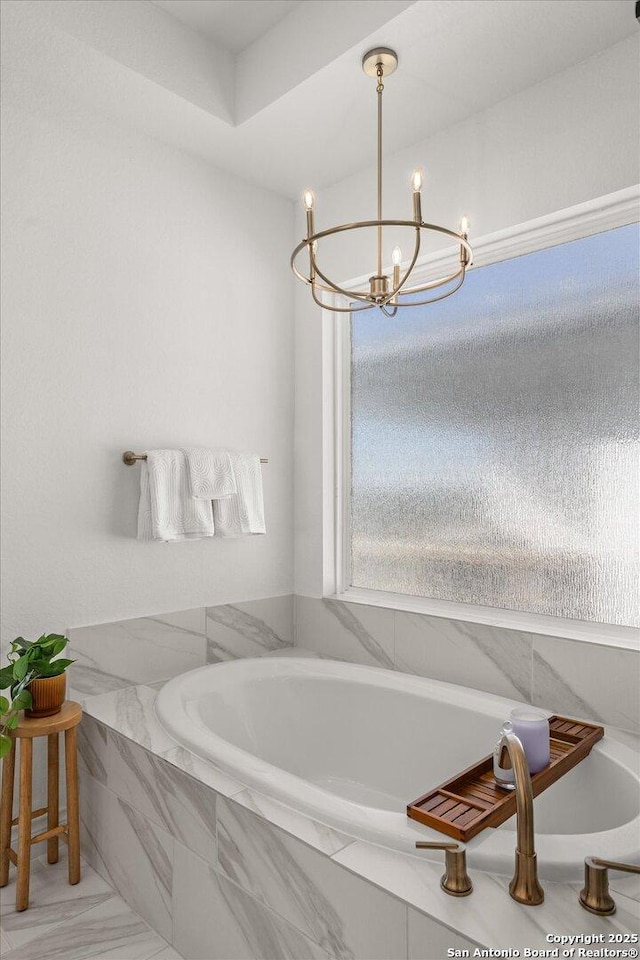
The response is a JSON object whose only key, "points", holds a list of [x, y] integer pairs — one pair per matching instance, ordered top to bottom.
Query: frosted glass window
{"points": [[494, 437]]}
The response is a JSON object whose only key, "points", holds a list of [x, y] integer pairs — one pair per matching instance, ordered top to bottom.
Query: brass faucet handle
{"points": [[455, 880], [595, 896]]}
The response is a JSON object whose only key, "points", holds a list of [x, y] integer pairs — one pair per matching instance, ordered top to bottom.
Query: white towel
{"points": [[210, 473], [167, 510], [242, 513]]}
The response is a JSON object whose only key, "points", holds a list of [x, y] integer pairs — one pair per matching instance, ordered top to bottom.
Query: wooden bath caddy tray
{"points": [[471, 801]]}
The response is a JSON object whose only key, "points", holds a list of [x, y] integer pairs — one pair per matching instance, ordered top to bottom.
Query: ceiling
{"points": [[234, 24], [273, 92]]}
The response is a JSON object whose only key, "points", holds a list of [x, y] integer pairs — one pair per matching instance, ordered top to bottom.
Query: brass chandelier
{"points": [[388, 291]]}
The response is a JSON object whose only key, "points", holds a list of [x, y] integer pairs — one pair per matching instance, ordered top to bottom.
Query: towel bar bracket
{"points": [[129, 457]]}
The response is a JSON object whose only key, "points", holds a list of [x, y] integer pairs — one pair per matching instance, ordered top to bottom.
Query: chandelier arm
{"points": [[361, 224], [434, 284], [321, 286], [349, 294], [362, 294], [442, 296], [328, 306], [369, 306]]}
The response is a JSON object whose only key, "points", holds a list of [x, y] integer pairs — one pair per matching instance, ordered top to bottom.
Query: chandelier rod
{"points": [[379, 90]]}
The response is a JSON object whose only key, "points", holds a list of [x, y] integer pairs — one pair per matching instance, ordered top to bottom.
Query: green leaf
{"points": [[51, 640], [58, 646], [20, 667], [41, 668], [55, 668], [6, 677], [23, 701], [4, 705], [12, 721], [5, 745]]}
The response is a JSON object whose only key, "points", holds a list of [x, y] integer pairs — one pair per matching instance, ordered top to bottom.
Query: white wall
{"points": [[569, 139], [146, 302]]}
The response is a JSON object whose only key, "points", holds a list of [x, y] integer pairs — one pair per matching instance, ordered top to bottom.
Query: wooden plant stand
{"points": [[67, 720]]}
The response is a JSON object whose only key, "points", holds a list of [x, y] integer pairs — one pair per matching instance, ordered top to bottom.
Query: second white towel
{"points": [[210, 473], [242, 513]]}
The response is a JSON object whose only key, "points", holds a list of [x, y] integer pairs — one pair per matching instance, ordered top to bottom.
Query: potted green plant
{"points": [[37, 681]]}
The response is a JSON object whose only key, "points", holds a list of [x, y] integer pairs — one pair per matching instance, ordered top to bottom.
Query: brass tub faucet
{"points": [[524, 887], [595, 896]]}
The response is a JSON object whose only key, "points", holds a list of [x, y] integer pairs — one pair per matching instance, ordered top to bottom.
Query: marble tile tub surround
{"points": [[146, 650], [559, 674], [586, 680], [227, 873]]}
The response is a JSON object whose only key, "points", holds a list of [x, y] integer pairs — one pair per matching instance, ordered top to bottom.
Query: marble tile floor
{"points": [[84, 922]]}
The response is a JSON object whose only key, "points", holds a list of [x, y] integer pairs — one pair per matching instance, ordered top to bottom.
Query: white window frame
{"points": [[614, 210]]}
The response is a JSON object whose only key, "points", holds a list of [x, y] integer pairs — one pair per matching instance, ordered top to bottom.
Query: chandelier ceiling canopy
{"points": [[394, 289]]}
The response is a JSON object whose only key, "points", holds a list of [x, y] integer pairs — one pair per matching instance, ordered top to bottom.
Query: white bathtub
{"points": [[351, 745]]}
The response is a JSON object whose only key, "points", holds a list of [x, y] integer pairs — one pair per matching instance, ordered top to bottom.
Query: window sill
{"points": [[604, 634]]}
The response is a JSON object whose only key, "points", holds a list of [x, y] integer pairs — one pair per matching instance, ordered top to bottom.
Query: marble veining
{"points": [[348, 619], [249, 629], [355, 632], [147, 648], [473, 655], [561, 668], [86, 679], [551, 687], [130, 712], [93, 744], [203, 771], [180, 804], [317, 835], [129, 851], [51, 900], [333, 908], [215, 919], [75, 923], [110, 930]]}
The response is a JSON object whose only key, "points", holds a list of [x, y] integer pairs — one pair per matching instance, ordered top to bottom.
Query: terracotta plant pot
{"points": [[48, 694]]}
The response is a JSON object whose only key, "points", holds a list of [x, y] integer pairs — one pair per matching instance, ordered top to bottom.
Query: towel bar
{"points": [[129, 457]]}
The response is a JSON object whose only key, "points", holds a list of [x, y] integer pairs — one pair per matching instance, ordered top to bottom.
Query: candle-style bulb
{"points": [[417, 179], [308, 199], [464, 226], [396, 256]]}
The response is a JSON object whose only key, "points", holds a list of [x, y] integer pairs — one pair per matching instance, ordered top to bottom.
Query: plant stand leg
{"points": [[52, 795], [6, 811], [73, 812], [24, 823]]}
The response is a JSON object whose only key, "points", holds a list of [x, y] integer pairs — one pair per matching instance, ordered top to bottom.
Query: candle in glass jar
{"points": [[532, 729]]}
